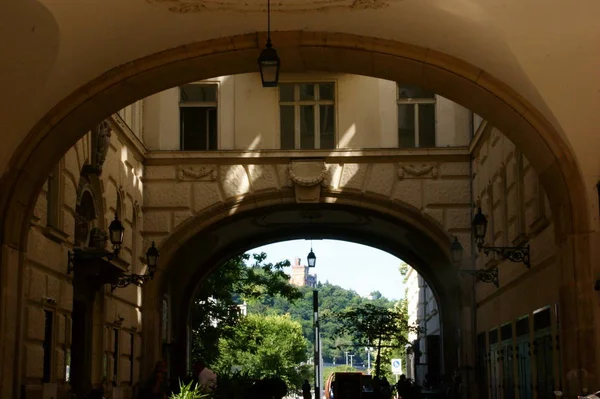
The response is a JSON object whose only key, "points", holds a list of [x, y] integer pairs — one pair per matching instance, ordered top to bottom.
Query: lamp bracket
{"points": [[513, 254], [484, 275], [127, 279]]}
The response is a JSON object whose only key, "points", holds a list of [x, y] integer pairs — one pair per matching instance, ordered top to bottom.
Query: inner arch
{"points": [[421, 246]]}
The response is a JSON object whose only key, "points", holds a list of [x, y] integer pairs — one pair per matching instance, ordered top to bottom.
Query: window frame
{"points": [[416, 102], [316, 103], [200, 104]]}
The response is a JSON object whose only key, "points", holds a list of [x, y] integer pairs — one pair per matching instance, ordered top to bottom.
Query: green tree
{"points": [[332, 299], [214, 309], [375, 326], [266, 346]]}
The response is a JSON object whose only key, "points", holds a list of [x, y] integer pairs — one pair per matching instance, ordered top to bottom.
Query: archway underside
{"points": [[194, 259]]}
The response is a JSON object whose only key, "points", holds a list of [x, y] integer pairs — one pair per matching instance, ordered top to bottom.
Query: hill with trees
{"points": [[333, 301]]}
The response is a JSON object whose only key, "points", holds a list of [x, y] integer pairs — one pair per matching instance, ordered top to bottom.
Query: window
{"points": [[307, 115], [198, 117], [416, 117], [47, 345], [131, 356], [116, 357]]}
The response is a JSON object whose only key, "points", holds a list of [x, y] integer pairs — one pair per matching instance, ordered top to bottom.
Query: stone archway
{"points": [[453, 78], [204, 242]]}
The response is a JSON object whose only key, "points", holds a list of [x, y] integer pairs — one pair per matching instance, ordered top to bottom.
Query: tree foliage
{"points": [[332, 300], [214, 309], [371, 325], [265, 346]]}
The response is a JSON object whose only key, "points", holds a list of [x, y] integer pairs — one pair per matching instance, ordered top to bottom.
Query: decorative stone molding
{"points": [[288, 6], [418, 171], [197, 173], [308, 177]]}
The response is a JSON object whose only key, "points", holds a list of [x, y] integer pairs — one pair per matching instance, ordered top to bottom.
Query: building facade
{"points": [[300, 276], [424, 363]]}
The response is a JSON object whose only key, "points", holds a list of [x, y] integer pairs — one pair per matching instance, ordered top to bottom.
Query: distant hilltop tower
{"points": [[300, 276]]}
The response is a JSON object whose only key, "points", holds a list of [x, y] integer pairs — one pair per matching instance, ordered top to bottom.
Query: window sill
{"points": [[55, 234]]}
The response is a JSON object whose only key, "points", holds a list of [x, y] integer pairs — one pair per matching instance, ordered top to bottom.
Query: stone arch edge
{"points": [[219, 214]]}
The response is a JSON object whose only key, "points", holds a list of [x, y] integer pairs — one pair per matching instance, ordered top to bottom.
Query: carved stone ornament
{"points": [[290, 6], [101, 144], [417, 171], [197, 173], [308, 177], [98, 238]]}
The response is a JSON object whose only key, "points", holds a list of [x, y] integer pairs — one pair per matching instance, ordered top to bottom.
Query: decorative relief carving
{"points": [[288, 6], [418, 171], [203, 173], [307, 173], [308, 177]]}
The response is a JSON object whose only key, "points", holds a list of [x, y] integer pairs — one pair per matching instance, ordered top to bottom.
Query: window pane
{"points": [[307, 91], [326, 91], [198, 92], [286, 92], [414, 92], [194, 125], [406, 125], [426, 125], [286, 126], [327, 126], [307, 127], [212, 129]]}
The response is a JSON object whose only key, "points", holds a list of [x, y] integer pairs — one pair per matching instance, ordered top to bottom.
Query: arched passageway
{"points": [[464, 83], [202, 245]]}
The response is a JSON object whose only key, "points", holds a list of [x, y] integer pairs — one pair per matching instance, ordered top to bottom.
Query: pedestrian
{"points": [[207, 379], [306, 390]]}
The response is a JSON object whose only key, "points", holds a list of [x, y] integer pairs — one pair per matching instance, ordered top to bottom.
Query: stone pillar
{"points": [[577, 298], [10, 320], [151, 342], [468, 359]]}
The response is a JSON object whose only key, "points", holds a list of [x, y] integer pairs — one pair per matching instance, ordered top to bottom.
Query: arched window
{"points": [[85, 219], [134, 241]]}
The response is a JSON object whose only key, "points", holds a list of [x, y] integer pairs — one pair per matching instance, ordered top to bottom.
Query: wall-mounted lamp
{"points": [[513, 254], [95, 260], [483, 275]]}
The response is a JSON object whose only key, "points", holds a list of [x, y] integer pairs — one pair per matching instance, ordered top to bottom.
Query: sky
{"points": [[349, 265]]}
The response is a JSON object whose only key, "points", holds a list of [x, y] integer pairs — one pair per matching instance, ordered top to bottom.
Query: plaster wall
{"points": [[366, 114], [49, 287]]}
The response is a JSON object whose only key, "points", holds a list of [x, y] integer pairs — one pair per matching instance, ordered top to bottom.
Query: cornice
{"points": [[130, 140], [447, 154]]}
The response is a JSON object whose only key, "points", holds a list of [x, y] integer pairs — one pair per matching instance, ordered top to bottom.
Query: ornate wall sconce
{"points": [[513, 254], [95, 261], [483, 275]]}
